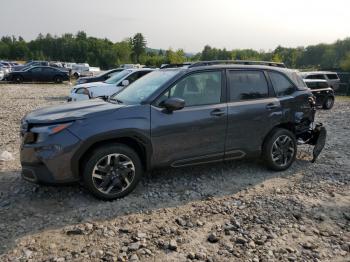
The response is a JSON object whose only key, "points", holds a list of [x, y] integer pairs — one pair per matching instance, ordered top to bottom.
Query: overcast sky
{"points": [[188, 24]]}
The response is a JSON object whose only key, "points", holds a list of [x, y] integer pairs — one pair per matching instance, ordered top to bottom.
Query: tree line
{"points": [[106, 54]]}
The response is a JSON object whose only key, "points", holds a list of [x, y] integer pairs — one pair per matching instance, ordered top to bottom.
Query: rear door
{"points": [[252, 112], [196, 133]]}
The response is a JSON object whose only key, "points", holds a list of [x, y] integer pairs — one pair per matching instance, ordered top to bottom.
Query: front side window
{"points": [[247, 85], [282, 86], [197, 89]]}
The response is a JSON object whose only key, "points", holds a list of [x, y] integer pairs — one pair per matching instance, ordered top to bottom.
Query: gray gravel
{"points": [[221, 212]]}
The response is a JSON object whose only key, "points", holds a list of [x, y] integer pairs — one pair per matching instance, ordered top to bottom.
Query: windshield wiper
{"points": [[116, 100]]}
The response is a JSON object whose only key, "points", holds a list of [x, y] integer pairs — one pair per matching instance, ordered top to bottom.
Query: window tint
{"points": [[36, 70], [49, 70], [318, 76], [332, 76], [281, 84], [245, 85], [317, 85], [197, 89]]}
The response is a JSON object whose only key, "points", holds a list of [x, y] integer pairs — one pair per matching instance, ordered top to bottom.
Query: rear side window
{"points": [[332, 76], [247, 85], [281, 85]]}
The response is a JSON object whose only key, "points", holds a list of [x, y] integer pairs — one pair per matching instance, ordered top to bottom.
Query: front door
{"points": [[196, 133]]}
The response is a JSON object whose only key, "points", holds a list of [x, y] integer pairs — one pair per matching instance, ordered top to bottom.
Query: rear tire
{"points": [[17, 79], [58, 79], [328, 103], [279, 149], [112, 171]]}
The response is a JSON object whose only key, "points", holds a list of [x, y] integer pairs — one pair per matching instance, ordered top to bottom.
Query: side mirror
{"points": [[125, 82], [173, 104]]}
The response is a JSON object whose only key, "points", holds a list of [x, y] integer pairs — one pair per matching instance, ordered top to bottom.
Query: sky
{"points": [[187, 24]]}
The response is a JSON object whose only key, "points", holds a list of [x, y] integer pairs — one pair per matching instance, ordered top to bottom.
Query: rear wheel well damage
{"points": [[289, 126], [133, 143]]}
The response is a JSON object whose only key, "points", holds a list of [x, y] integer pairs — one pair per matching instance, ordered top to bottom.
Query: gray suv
{"points": [[200, 113]]}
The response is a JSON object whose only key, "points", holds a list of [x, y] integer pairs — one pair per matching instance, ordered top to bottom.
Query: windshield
{"points": [[117, 77], [144, 87]]}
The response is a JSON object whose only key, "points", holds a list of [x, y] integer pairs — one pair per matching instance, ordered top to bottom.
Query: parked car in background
{"points": [[30, 64], [5, 68], [79, 70], [2, 74], [38, 74], [331, 77], [99, 78], [108, 87], [322, 91], [172, 117]]}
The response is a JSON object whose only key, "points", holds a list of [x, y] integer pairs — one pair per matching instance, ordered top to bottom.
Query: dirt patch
{"points": [[234, 211]]}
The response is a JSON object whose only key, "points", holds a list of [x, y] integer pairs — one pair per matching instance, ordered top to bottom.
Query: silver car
{"points": [[331, 77]]}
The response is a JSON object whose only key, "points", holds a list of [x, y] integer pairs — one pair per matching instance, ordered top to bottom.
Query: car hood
{"points": [[71, 111]]}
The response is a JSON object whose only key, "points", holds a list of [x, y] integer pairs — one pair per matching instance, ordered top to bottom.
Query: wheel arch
{"points": [[287, 125], [138, 143]]}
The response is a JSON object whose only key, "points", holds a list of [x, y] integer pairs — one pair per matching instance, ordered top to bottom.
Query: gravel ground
{"points": [[234, 211]]}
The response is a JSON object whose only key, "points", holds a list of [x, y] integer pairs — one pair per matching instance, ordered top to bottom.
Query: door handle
{"points": [[271, 106], [217, 112]]}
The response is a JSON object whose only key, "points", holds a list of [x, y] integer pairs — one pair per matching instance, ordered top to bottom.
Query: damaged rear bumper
{"points": [[316, 137]]}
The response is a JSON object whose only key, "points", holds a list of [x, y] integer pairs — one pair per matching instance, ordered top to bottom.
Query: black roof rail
{"points": [[237, 62], [175, 65]]}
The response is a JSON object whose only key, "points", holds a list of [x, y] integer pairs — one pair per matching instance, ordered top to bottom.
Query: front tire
{"points": [[328, 103], [279, 149], [112, 171]]}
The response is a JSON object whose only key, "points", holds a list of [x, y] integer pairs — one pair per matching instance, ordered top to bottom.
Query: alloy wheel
{"points": [[282, 151], [113, 174]]}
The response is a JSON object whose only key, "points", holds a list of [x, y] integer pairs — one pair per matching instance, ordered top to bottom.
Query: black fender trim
{"points": [[131, 134]]}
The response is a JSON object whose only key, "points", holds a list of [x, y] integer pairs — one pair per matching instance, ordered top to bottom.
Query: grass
{"points": [[343, 98]]}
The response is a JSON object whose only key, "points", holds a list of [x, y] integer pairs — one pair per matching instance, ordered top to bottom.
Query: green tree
{"points": [[138, 46], [345, 63]]}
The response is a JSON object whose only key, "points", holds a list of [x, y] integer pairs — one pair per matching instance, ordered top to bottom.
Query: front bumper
{"points": [[50, 161]]}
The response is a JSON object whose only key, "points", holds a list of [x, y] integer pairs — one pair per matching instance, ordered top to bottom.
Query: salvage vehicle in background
{"points": [[38, 74], [331, 77], [99, 78], [108, 87], [322, 91], [172, 117]]}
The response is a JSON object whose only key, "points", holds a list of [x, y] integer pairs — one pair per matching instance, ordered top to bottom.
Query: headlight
{"points": [[83, 91], [44, 131]]}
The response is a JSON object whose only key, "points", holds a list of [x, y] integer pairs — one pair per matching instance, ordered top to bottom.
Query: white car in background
{"points": [[2, 74], [332, 78], [108, 87]]}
